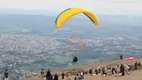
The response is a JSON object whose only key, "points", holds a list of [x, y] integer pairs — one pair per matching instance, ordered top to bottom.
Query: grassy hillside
{"points": [[100, 64]]}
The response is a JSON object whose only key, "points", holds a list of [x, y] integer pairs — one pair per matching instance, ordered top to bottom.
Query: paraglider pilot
{"points": [[75, 59]]}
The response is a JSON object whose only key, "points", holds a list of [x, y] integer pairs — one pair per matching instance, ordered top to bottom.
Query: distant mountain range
{"points": [[44, 25]]}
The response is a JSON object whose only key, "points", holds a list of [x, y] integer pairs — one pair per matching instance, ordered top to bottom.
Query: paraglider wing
{"points": [[68, 13], [70, 38], [82, 43], [82, 46], [131, 58]]}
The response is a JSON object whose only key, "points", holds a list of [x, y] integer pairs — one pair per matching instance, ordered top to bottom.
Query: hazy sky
{"points": [[96, 6]]}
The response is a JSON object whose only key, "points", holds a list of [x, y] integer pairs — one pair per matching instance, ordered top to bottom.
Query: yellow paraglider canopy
{"points": [[68, 13]]}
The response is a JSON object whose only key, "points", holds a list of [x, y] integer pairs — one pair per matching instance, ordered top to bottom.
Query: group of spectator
{"points": [[115, 70], [48, 75]]}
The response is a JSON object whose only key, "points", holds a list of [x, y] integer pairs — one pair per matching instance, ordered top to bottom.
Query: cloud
{"points": [[122, 1], [96, 6]]}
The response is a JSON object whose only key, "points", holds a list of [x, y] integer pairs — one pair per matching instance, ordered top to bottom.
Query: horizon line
{"points": [[52, 12]]}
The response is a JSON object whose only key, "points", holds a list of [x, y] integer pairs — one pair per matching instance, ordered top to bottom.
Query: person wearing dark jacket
{"points": [[121, 57], [139, 64], [136, 65], [122, 69], [99, 70], [112, 70], [96, 71], [86, 72], [90, 72], [83, 73], [6, 75], [48, 75], [63, 75], [51, 77], [55, 77], [74, 78]]}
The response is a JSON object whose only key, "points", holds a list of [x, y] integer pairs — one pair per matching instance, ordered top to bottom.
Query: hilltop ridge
{"points": [[100, 64]]}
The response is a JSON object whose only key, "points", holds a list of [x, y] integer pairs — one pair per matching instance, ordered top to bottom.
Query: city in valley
{"points": [[19, 53]]}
